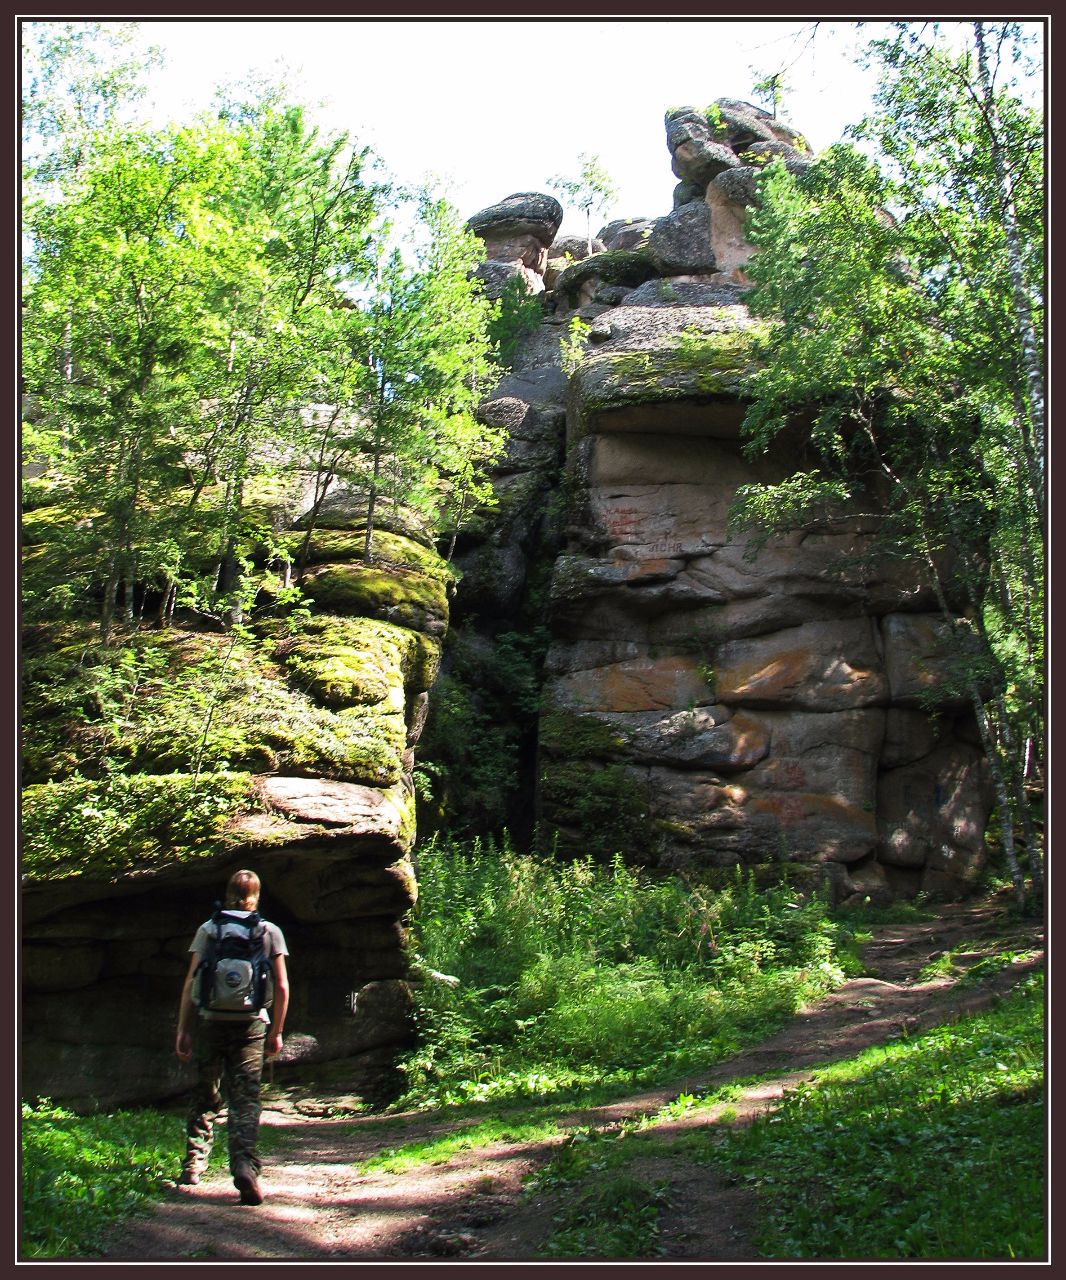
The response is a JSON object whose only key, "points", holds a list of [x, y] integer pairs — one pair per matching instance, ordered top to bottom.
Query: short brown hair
{"points": [[242, 890]]}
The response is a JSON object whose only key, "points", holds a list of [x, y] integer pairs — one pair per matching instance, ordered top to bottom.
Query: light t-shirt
{"points": [[274, 944]]}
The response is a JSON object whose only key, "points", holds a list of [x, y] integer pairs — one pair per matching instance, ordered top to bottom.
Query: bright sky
{"points": [[493, 107]]}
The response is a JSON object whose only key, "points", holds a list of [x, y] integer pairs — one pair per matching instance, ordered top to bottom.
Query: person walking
{"points": [[230, 1043]]}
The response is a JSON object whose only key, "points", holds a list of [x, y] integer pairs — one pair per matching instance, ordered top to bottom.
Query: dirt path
{"points": [[472, 1206]]}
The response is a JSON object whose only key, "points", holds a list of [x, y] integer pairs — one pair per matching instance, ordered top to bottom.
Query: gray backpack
{"points": [[235, 974]]}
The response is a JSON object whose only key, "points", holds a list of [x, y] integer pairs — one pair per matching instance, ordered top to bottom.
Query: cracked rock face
{"points": [[710, 705]]}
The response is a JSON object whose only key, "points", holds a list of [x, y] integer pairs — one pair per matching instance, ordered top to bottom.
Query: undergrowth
{"points": [[550, 978], [948, 1132], [925, 1148], [81, 1173]]}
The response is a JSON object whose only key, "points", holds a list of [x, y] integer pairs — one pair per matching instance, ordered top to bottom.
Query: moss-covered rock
{"points": [[616, 266], [704, 366], [333, 546], [409, 599], [346, 662], [564, 734], [110, 828]]}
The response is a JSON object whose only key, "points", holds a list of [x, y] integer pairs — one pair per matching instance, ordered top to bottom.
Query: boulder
{"points": [[761, 153], [697, 156], [739, 185], [689, 193], [526, 213], [633, 233], [608, 234], [680, 242], [575, 247], [580, 281], [922, 661], [818, 666], [709, 702]]}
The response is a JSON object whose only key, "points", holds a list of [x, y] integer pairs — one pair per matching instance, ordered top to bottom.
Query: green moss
{"points": [[616, 266], [698, 365], [389, 549], [409, 599], [160, 700], [564, 733], [356, 744], [596, 810], [104, 829]]}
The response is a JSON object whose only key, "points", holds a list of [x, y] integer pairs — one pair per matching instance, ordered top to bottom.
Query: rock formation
{"points": [[706, 706], [329, 831]]}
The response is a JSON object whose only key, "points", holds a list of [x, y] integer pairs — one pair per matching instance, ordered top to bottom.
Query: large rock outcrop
{"points": [[517, 233], [706, 706], [328, 826]]}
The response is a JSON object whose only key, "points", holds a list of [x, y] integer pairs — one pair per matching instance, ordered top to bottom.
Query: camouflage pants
{"points": [[229, 1060]]}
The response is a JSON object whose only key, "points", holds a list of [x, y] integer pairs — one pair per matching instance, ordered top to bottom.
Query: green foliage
{"points": [[771, 88], [591, 188], [518, 314], [573, 344], [482, 716], [594, 809], [105, 829], [573, 975], [947, 1129], [81, 1173], [614, 1218]]}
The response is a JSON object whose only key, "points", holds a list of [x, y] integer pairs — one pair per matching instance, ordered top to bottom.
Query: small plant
{"points": [[572, 347]]}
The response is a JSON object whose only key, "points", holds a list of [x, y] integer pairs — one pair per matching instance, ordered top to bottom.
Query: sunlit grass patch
{"points": [[947, 1131], [441, 1147], [80, 1173], [83, 1174]]}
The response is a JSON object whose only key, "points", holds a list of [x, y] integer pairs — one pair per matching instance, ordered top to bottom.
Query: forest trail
{"points": [[474, 1206]]}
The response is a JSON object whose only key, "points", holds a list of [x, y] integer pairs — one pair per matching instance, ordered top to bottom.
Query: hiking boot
{"points": [[189, 1177], [246, 1182]]}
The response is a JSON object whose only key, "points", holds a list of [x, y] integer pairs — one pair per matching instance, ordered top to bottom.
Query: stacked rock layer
{"points": [[707, 705]]}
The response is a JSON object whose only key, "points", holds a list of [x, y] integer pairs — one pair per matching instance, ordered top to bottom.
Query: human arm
{"points": [[280, 1005], [186, 1012]]}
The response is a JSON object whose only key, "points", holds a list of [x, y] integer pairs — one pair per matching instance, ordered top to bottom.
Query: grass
{"points": [[574, 983], [947, 1129], [946, 1132], [81, 1175]]}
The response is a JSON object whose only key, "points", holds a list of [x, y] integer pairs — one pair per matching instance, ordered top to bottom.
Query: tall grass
{"points": [[566, 975]]}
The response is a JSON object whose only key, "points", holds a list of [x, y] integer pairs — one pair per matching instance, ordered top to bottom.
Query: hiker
{"points": [[234, 1029]]}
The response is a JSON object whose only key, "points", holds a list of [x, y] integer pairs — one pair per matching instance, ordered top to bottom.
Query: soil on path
{"points": [[473, 1206]]}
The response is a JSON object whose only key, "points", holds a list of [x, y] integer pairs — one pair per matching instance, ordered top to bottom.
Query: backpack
{"points": [[235, 974]]}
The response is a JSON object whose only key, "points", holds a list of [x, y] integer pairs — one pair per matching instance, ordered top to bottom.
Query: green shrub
{"points": [[518, 313], [573, 974], [82, 1173]]}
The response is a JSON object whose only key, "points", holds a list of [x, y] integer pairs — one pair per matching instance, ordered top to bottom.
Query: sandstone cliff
{"points": [[702, 704], [705, 705]]}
